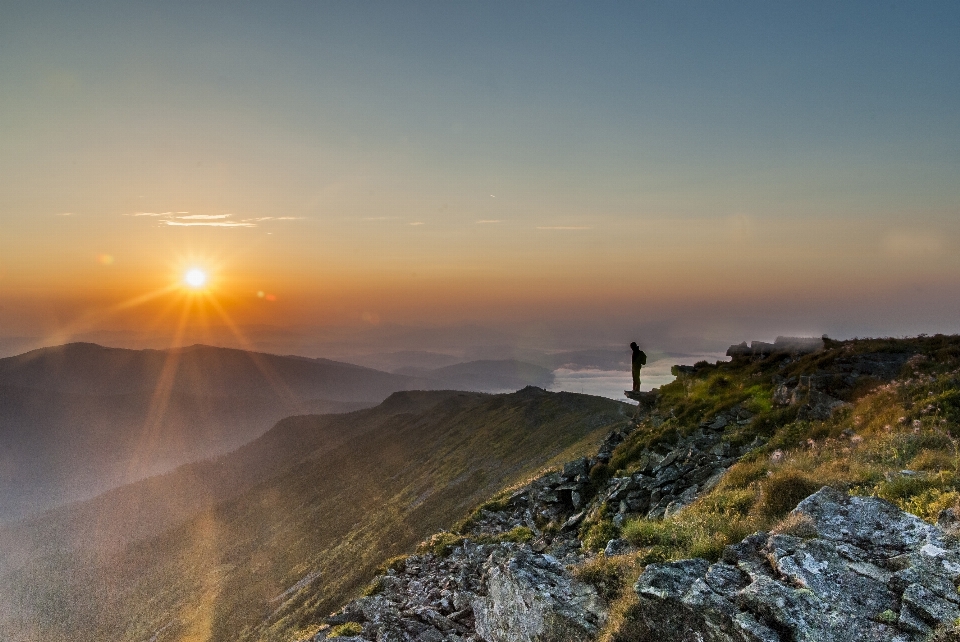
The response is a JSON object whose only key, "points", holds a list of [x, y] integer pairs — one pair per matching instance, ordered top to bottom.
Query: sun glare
{"points": [[195, 278]]}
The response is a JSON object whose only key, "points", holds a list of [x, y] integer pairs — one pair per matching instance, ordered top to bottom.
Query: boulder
{"points": [[871, 573], [531, 598]]}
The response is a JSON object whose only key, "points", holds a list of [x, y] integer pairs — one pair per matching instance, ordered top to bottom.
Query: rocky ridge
{"points": [[839, 567], [506, 575]]}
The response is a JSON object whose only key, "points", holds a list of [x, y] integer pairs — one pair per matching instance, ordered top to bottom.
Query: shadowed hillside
{"points": [[485, 375], [79, 419], [290, 526]]}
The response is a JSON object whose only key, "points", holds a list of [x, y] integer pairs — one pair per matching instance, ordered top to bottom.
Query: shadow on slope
{"points": [[79, 419], [313, 522]]}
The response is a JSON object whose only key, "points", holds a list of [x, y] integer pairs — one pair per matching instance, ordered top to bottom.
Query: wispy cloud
{"points": [[65, 214], [274, 218], [380, 218], [186, 219], [489, 220], [175, 223], [416, 223], [565, 227]]}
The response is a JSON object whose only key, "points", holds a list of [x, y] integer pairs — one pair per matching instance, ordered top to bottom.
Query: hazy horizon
{"points": [[562, 176]]}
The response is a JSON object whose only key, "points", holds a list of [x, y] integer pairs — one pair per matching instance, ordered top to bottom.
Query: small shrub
{"points": [[719, 384], [932, 460], [744, 472], [600, 474], [903, 487], [781, 493], [731, 503], [928, 504], [495, 505], [648, 532], [598, 534], [518, 535], [440, 544], [709, 547], [654, 555], [395, 564], [605, 575], [373, 588], [345, 630]]}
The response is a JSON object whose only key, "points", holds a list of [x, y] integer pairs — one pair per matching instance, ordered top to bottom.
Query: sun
{"points": [[195, 278]]}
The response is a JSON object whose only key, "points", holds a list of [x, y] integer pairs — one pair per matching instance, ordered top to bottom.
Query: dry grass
{"points": [[898, 441]]}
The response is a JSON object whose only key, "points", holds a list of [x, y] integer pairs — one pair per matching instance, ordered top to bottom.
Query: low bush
{"points": [[781, 493], [599, 533], [518, 535], [440, 544], [395, 564], [608, 576]]}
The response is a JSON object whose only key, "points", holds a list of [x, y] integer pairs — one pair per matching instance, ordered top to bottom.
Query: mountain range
{"points": [[79, 419], [261, 542]]}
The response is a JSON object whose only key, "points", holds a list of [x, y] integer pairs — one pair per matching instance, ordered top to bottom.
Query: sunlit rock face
{"points": [[862, 570], [530, 597]]}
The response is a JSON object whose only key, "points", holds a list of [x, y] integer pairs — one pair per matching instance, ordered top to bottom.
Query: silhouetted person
{"points": [[639, 360]]}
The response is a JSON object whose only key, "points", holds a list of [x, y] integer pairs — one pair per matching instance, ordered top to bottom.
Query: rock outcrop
{"points": [[784, 345], [856, 568], [838, 569], [506, 579], [501, 592]]}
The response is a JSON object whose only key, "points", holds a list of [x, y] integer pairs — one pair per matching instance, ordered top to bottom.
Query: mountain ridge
{"points": [[337, 511]]}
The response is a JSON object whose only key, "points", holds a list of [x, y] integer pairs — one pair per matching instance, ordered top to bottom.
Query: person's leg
{"points": [[636, 379]]}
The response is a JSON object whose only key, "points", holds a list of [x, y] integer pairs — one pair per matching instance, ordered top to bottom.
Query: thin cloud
{"points": [[65, 214], [150, 214], [204, 217], [275, 218], [380, 218], [489, 220], [416, 223], [207, 224], [565, 227]]}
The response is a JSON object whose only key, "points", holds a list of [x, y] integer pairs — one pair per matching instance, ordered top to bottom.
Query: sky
{"points": [[687, 173]]}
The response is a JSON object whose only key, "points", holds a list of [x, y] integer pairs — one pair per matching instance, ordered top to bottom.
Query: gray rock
{"points": [[576, 467], [686, 498], [617, 547], [873, 573], [529, 600]]}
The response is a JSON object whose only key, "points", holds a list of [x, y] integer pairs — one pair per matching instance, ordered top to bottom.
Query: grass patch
{"points": [[782, 492], [518, 535], [596, 535], [440, 544], [609, 576], [345, 630]]}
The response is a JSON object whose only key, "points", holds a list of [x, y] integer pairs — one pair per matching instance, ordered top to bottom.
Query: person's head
{"points": [[634, 346]]}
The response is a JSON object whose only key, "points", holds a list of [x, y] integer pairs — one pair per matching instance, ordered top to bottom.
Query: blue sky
{"points": [[705, 158]]}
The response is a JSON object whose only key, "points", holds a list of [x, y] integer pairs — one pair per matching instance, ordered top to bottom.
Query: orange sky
{"points": [[501, 165]]}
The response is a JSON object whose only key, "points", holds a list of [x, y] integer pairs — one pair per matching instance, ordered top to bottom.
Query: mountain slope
{"points": [[199, 370], [78, 419], [727, 462], [270, 560]]}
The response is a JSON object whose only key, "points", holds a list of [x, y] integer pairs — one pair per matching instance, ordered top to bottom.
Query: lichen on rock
{"points": [[871, 573]]}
